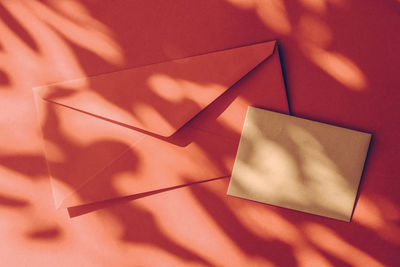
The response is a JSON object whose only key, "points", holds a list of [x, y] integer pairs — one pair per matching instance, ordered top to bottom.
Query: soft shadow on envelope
{"points": [[156, 126]]}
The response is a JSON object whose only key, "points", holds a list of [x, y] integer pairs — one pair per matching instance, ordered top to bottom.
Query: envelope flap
{"points": [[159, 98]]}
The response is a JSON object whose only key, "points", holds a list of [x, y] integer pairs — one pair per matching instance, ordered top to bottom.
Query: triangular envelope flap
{"points": [[160, 98]]}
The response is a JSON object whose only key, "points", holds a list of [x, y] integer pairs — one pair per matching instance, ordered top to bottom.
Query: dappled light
{"points": [[318, 6], [322, 6], [271, 12], [274, 15], [314, 31], [90, 35], [314, 38], [339, 67], [166, 87], [174, 90], [146, 108], [119, 127], [294, 163], [198, 218], [375, 218], [327, 240]]}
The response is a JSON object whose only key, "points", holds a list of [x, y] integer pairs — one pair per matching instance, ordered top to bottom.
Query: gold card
{"points": [[299, 164]]}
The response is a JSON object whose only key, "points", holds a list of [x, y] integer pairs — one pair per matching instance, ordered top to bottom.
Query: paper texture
{"points": [[156, 126], [299, 164]]}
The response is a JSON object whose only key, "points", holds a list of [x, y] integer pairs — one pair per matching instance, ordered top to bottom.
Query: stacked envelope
{"points": [[201, 118]]}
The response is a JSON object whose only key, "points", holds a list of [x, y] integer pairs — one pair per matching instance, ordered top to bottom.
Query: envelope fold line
{"points": [[171, 93]]}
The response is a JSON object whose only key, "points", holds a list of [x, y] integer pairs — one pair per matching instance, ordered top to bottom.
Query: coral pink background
{"points": [[341, 65]]}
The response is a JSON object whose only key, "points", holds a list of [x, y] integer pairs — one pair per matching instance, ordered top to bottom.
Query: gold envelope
{"points": [[155, 126]]}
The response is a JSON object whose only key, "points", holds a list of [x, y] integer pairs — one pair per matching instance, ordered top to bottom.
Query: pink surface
{"points": [[341, 67]]}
